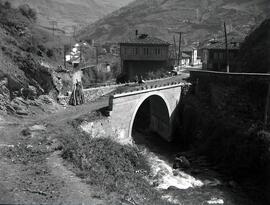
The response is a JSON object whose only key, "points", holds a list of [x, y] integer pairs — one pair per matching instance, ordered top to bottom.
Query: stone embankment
{"points": [[223, 119]]}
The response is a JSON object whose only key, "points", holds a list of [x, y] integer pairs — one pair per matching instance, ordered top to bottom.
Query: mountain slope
{"points": [[71, 12], [198, 19]]}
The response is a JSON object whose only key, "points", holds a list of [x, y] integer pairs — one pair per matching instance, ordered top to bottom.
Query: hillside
{"points": [[69, 12], [196, 18], [255, 51], [27, 61]]}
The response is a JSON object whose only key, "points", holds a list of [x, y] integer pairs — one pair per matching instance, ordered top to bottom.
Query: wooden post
{"points": [[54, 24], [174, 48], [179, 49], [227, 51], [96, 55], [65, 57], [266, 110]]}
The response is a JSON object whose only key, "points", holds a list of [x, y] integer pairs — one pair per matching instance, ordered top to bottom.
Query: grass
{"points": [[110, 167]]}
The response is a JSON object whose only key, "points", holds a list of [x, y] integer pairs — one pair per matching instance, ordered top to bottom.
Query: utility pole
{"points": [[54, 24], [74, 31], [174, 48], [179, 49], [227, 50], [96, 55]]}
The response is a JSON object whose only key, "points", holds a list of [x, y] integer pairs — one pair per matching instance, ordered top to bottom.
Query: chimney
{"points": [[136, 33]]}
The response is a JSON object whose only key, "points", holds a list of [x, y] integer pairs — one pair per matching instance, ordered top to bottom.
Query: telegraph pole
{"points": [[54, 24], [74, 31], [174, 48], [179, 48], [227, 50], [96, 55]]}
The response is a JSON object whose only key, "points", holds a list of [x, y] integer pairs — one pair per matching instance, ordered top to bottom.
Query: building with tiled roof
{"points": [[142, 55], [214, 56]]}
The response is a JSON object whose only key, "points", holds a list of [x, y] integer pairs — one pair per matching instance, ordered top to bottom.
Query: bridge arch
{"points": [[160, 114]]}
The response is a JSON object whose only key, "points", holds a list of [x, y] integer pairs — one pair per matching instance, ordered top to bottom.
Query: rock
{"points": [[29, 92], [46, 99], [10, 109], [21, 112], [37, 128], [26, 132], [181, 162], [175, 172], [213, 182], [155, 184], [172, 188]]}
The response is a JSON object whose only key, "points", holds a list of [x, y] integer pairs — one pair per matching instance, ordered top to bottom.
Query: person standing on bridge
{"points": [[140, 80]]}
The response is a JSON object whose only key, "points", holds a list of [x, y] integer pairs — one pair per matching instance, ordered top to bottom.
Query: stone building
{"points": [[141, 55], [214, 55]]}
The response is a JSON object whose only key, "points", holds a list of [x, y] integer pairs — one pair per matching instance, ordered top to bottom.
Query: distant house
{"points": [[192, 52], [143, 54], [214, 55], [189, 57], [186, 59], [103, 67]]}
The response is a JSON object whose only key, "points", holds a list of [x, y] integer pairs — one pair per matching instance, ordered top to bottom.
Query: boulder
{"points": [[29, 92], [46, 99], [21, 112], [181, 162]]}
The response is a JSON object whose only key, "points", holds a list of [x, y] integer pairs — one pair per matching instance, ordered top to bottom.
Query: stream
{"points": [[201, 184], [198, 185]]}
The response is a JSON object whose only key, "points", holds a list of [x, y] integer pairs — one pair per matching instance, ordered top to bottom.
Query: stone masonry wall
{"points": [[222, 117]]}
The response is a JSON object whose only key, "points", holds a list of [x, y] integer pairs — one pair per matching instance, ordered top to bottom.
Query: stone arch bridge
{"points": [[157, 103]]}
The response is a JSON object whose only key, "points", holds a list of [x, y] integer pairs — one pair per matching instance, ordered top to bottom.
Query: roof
{"points": [[145, 40], [221, 45], [188, 48], [184, 55]]}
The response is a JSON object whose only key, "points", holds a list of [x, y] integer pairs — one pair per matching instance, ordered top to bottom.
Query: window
{"points": [[136, 51], [146, 51], [157, 51]]}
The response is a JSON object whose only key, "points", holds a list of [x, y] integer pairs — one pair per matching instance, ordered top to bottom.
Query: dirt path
{"points": [[29, 173], [74, 190]]}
